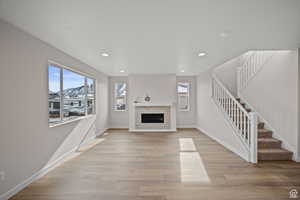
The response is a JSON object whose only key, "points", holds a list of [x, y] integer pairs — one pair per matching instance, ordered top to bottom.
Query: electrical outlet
{"points": [[2, 176]]}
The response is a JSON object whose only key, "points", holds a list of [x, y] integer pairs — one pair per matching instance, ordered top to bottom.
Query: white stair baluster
{"points": [[234, 112]]}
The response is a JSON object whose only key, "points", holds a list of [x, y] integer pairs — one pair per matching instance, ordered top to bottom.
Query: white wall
{"points": [[227, 74], [161, 89], [273, 93], [118, 119], [187, 119], [211, 121], [27, 144], [298, 159]]}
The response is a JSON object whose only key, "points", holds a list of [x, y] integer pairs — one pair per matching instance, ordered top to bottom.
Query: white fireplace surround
{"points": [[143, 108], [165, 110]]}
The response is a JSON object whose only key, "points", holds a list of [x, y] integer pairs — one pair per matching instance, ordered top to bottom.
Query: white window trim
{"points": [[62, 67], [95, 88], [187, 95], [115, 96], [70, 121]]}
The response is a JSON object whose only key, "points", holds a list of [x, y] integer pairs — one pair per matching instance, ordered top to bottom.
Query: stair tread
{"points": [[263, 130], [268, 140], [269, 148], [274, 150], [274, 154]]}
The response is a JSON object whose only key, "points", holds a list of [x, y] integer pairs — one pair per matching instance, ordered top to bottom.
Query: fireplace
{"points": [[152, 118]]}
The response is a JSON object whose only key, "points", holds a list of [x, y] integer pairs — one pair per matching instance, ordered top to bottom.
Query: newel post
{"points": [[253, 137]]}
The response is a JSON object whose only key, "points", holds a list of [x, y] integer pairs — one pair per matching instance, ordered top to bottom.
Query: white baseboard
{"points": [[186, 126], [118, 127], [152, 130], [101, 132], [229, 147], [42, 172], [36, 175]]}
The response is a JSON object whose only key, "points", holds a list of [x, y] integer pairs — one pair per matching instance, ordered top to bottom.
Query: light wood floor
{"points": [[163, 166]]}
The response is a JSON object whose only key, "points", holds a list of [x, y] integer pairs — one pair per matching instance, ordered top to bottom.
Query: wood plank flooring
{"points": [[186, 165]]}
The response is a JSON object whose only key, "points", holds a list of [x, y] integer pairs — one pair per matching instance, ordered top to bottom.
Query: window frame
{"points": [[86, 76], [94, 82], [186, 95], [115, 96]]}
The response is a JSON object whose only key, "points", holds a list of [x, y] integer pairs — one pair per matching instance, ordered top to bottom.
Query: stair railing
{"points": [[252, 64], [243, 123]]}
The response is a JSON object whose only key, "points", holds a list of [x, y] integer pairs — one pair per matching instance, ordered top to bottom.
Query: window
{"points": [[70, 94], [54, 95], [74, 95], [90, 96], [120, 96], [183, 96]]}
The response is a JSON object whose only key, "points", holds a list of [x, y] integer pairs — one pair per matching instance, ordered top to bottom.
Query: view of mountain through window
{"points": [[74, 94], [78, 94]]}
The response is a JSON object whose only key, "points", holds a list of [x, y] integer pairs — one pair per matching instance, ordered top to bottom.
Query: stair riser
{"points": [[260, 125], [265, 135], [267, 145], [269, 149], [275, 156]]}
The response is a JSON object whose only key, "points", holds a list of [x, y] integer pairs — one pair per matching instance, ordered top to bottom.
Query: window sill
{"points": [[184, 110], [71, 121]]}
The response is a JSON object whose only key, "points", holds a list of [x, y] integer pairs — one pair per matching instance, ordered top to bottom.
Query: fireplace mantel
{"points": [[151, 105]]}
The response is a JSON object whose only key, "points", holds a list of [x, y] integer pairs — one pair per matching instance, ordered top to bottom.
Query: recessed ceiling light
{"points": [[224, 34], [104, 54], [201, 54], [182, 70], [122, 71]]}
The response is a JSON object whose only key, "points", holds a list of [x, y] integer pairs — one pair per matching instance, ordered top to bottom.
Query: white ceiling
{"points": [[157, 36]]}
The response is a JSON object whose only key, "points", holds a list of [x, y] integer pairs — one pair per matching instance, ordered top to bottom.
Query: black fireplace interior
{"points": [[153, 118]]}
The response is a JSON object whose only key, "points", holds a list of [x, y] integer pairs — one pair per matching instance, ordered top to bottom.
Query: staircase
{"points": [[243, 122], [255, 137], [268, 148]]}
